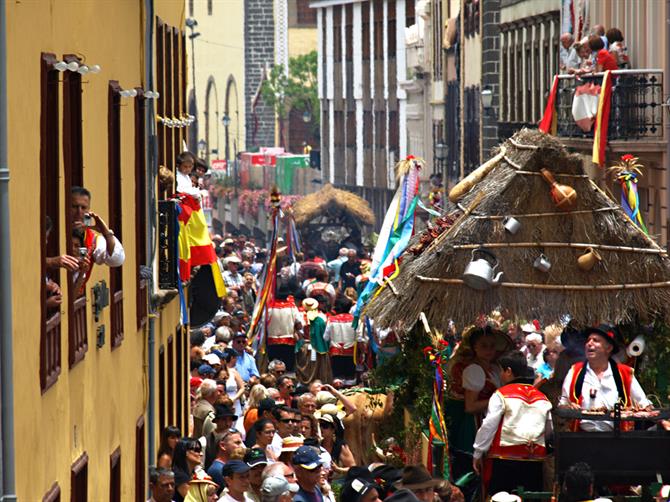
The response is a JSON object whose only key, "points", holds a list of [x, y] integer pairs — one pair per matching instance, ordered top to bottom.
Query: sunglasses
{"points": [[289, 420], [326, 425], [196, 449]]}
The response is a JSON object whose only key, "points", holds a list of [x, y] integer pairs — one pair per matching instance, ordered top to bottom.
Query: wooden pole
{"points": [[539, 215], [574, 245], [553, 287]]}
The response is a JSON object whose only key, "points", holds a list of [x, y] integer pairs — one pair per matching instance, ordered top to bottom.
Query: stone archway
{"points": [[211, 118]]}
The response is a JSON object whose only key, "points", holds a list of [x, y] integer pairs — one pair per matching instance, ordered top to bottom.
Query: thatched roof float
{"points": [[333, 204], [632, 280]]}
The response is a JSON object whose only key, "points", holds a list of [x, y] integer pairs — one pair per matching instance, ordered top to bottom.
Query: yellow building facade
{"points": [[91, 390]]}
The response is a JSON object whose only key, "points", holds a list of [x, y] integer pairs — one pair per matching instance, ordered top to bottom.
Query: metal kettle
{"points": [[480, 273]]}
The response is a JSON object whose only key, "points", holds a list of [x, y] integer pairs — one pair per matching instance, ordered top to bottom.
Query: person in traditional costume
{"points": [[284, 322], [342, 337], [312, 359], [473, 376], [600, 382], [510, 445]]}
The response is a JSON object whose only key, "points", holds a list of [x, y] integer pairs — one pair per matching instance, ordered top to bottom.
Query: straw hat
{"points": [[324, 397], [328, 411], [291, 443]]}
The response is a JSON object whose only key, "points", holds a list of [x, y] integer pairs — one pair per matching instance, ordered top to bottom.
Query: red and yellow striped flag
{"points": [[602, 120]]}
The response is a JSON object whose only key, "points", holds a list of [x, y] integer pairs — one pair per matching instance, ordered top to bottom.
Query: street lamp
{"points": [[487, 99], [306, 117], [225, 120], [202, 148], [441, 154]]}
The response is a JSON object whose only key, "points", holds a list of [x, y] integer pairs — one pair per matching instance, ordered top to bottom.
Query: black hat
{"points": [[609, 333], [266, 404], [223, 411], [416, 477], [403, 495]]}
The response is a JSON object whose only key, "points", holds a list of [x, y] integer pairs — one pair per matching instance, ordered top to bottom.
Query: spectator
{"points": [[599, 31], [617, 47], [584, 51], [569, 57], [604, 60], [185, 162], [201, 167], [103, 247], [63, 261], [335, 265], [349, 271], [231, 277], [321, 287], [248, 292], [246, 364], [277, 368], [234, 385], [286, 387], [257, 393], [209, 394], [307, 404], [223, 420], [331, 430], [264, 433], [169, 438], [230, 441], [187, 457], [255, 458], [307, 464], [236, 477], [418, 480], [578, 483], [161, 484], [202, 489], [277, 489], [360, 490]]}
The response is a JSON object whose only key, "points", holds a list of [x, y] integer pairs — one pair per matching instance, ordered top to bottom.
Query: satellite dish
{"points": [[204, 302]]}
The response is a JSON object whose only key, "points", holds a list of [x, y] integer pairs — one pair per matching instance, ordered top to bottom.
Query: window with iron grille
{"points": [[437, 39], [529, 59], [161, 101], [471, 129], [115, 207], [50, 318]]}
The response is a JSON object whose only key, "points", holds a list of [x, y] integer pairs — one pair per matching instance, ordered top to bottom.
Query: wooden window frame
{"points": [[305, 16], [176, 91], [169, 100], [160, 102], [73, 175], [141, 205], [115, 207], [50, 325], [180, 378], [161, 387], [171, 414], [140, 460], [79, 468], [115, 476], [53, 495]]}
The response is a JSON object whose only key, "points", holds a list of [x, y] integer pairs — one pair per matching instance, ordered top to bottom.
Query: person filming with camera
{"points": [[102, 245]]}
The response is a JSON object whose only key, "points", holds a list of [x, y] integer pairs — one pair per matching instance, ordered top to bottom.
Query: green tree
{"points": [[297, 91]]}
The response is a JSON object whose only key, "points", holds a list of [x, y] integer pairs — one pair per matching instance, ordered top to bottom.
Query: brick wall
{"points": [[259, 50], [490, 72]]}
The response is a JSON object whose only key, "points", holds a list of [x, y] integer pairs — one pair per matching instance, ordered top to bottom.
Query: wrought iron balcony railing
{"points": [[636, 111]]}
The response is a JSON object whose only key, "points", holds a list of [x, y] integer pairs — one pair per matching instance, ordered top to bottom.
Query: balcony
{"points": [[636, 113]]}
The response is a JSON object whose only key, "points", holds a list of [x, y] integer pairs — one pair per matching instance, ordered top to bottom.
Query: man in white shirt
{"points": [[600, 382], [236, 476], [161, 482]]}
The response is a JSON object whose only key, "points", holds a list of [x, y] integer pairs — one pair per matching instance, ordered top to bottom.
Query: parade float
{"points": [[330, 218], [530, 234]]}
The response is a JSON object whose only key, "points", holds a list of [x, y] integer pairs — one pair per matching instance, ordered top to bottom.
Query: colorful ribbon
{"points": [[437, 426]]}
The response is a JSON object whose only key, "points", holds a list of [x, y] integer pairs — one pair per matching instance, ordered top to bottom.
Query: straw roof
{"points": [[330, 201], [632, 280]]}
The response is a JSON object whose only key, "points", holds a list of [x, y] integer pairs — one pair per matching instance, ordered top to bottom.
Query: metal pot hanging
{"points": [[481, 272]]}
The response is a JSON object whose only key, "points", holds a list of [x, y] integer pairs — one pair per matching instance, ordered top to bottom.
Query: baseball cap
{"points": [[212, 359], [205, 369], [255, 457], [307, 457], [234, 467], [273, 486], [356, 489]]}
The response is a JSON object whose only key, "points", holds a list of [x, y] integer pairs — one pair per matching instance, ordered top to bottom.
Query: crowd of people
{"points": [[599, 51]]}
